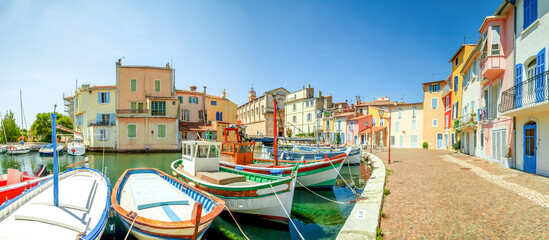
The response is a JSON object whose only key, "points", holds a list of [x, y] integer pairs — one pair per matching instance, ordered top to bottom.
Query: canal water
{"points": [[315, 218]]}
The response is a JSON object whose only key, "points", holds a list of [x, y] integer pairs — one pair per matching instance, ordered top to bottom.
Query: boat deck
{"points": [[150, 196], [82, 199]]}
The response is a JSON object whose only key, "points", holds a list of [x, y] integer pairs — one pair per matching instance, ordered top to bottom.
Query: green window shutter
{"points": [[133, 85], [157, 85], [133, 105], [132, 131], [161, 131]]}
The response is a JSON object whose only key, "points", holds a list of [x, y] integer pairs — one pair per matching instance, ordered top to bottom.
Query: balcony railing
{"points": [[447, 88], [526, 93], [131, 111], [486, 115], [468, 120], [101, 123]]}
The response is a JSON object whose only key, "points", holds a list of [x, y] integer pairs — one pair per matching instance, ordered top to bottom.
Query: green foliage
{"points": [[41, 128], [12, 131], [288, 132], [311, 134], [300, 135], [338, 138], [425, 145], [457, 145], [386, 191], [379, 234]]}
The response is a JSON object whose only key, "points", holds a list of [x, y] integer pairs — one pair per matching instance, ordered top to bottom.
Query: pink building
{"points": [[496, 57], [355, 125]]}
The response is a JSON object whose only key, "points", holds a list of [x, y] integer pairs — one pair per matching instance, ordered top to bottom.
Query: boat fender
{"points": [[325, 158], [239, 168], [276, 171], [192, 184]]}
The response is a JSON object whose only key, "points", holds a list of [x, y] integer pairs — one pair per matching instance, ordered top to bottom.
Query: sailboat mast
{"points": [[21, 102], [74, 106], [275, 133]]}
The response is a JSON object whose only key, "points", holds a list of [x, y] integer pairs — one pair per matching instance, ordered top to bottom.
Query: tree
{"points": [[10, 128], [41, 128], [338, 138]]}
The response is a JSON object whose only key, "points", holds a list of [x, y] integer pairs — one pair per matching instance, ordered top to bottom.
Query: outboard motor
{"points": [[40, 170]]}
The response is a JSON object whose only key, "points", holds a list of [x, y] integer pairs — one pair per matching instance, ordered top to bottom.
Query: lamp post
{"points": [[381, 111]]}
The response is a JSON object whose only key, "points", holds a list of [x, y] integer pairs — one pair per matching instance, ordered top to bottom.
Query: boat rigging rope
{"points": [[354, 192], [325, 198], [282, 205], [238, 225], [131, 226]]}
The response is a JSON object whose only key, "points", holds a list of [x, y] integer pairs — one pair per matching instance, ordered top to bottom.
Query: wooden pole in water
{"points": [[275, 133]]}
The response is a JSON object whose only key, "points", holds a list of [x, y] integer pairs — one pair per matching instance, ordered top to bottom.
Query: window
{"points": [[530, 8], [495, 40], [457, 61], [456, 80], [133, 85], [157, 85], [434, 87], [103, 97], [180, 99], [193, 100], [213, 103], [307, 103], [312, 103], [434, 103], [133, 105], [294, 107], [158, 108], [262, 109], [257, 111], [414, 111], [399, 113], [185, 115], [217, 116], [309, 117], [104, 119], [294, 119], [447, 121], [374, 122], [381, 122], [435, 122], [327, 124], [338, 124], [414, 124], [351, 125], [397, 127], [132, 131], [161, 133], [102, 134], [482, 139]]}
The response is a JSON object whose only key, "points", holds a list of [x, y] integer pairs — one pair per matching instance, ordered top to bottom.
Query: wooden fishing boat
{"points": [[353, 157], [313, 173], [15, 182], [261, 195], [71, 205], [157, 206], [83, 208]]}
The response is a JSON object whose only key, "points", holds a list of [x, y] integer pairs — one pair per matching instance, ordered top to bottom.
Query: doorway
{"points": [[530, 147]]}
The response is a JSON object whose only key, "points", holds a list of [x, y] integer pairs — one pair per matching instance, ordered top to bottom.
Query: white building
{"points": [[302, 109], [468, 123], [406, 125]]}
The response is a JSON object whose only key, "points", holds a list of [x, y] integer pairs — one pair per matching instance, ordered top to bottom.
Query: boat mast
{"points": [[74, 105], [275, 132], [55, 161]]}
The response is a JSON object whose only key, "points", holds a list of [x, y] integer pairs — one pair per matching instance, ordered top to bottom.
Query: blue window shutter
{"points": [[533, 10], [540, 62], [540, 77], [456, 83], [430, 88], [99, 97], [108, 97], [217, 116], [221, 116], [98, 118], [112, 118], [106, 134]]}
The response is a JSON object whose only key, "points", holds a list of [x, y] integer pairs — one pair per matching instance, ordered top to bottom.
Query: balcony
{"points": [[492, 66], [447, 89], [526, 97], [133, 111], [486, 115], [469, 120], [101, 123]]}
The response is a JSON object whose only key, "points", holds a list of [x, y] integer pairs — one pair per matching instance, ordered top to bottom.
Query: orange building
{"points": [[146, 108], [433, 114]]}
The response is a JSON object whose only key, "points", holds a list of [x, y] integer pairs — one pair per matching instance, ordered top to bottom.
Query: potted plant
{"points": [[425, 145], [457, 146]]}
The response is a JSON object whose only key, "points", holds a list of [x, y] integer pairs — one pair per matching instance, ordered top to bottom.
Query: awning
{"points": [[374, 129]]}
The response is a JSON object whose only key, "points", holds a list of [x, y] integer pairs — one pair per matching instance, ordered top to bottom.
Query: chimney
{"points": [[119, 62], [168, 65], [308, 85], [193, 88], [319, 93], [224, 94]]}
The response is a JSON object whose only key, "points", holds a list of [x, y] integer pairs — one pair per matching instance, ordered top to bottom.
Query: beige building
{"points": [[146, 108], [221, 109], [303, 109], [257, 114], [433, 114], [95, 116], [406, 125]]}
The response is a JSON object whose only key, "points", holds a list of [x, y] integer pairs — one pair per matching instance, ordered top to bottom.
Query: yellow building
{"points": [[455, 88], [220, 109], [95, 116], [327, 131]]}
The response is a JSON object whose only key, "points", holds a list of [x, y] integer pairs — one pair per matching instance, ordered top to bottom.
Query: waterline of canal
{"points": [[315, 217]]}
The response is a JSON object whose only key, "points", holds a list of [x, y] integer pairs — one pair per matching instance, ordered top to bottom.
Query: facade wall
{"points": [[145, 78], [222, 106], [193, 107], [300, 111], [430, 113], [87, 120], [542, 135], [402, 137]]}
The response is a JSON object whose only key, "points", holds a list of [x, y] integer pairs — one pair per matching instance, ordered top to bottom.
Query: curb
{"points": [[364, 219]]}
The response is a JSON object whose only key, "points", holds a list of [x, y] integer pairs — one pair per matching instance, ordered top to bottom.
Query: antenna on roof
{"points": [[464, 38]]}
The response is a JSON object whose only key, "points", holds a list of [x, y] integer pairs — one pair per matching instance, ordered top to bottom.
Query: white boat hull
{"points": [[18, 150], [76, 151]]}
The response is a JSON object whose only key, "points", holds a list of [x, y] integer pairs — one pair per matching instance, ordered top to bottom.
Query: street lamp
{"points": [[381, 111]]}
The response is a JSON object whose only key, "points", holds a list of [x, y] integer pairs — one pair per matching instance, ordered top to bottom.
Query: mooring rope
{"points": [[354, 192], [325, 198], [283, 208], [238, 225], [131, 226]]}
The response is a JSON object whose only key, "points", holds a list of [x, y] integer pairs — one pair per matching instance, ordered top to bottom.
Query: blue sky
{"points": [[344, 48]]}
